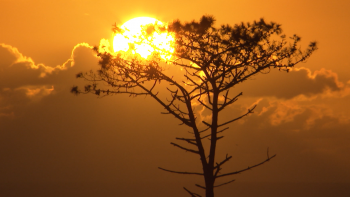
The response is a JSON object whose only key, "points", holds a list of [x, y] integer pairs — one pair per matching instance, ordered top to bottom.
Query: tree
{"points": [[214, 60]]}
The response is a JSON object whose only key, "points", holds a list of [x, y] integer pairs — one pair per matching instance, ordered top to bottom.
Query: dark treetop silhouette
{"points": [[213, 61]]}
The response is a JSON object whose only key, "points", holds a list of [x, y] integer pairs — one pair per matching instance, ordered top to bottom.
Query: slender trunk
{"points": [[207, 174], [210, 179], [209, 184]]}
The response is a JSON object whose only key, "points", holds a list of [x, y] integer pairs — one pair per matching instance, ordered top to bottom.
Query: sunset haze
{"points": [[55, 143]]}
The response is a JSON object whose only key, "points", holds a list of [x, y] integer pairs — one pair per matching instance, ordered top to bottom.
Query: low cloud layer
{"points": [[23, 81], [299, 81], [300, 115]]}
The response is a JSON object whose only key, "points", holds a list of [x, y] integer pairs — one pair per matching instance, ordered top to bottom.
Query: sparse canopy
{"points": [[213, 61]]}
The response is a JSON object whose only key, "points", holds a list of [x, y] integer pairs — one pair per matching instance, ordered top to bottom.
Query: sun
{"points": [[144, 36]]}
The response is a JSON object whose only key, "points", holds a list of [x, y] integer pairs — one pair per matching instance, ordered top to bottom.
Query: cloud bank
{"points": [[23, 81], [300, 114]]}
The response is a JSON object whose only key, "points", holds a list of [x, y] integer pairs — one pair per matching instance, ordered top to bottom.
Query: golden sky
{"points": [[53, 143]]}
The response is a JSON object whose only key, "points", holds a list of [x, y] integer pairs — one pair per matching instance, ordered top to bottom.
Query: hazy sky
{"points": [[53, 143]]}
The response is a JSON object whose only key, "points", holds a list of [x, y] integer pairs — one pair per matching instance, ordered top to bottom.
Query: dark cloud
{"points": [[18, 70], [22, 81], [288, 85], [50, 136], [61, 137], [307, 144]]}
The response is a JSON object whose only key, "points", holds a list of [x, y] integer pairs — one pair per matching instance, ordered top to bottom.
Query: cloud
{"points": [[19, 58], [24, 81], [299, 81], [287, 96], [283, 97], [280, 112], [56, 128], [309, 135]]}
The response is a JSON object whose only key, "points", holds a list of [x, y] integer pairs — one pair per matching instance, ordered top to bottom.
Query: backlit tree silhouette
{"points": [[213, 60]]}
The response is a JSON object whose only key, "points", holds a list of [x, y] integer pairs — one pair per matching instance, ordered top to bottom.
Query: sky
{"points": [[54, 143]]}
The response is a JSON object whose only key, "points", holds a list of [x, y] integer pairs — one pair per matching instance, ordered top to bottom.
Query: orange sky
{"points": [[53, 143]]}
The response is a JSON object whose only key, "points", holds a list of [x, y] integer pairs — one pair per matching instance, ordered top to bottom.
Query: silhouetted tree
{"points": [[213, 61]]}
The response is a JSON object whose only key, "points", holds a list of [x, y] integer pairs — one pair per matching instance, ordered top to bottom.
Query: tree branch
{"points": [[230, 101], [249, 111], [209, 125], [190, 141], [186, 149], [249, 167], [179, 172], [224, 183], [202, 187], [192, 194]]}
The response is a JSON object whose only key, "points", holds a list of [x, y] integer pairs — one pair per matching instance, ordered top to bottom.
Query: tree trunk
{"points": [[209, 184]]}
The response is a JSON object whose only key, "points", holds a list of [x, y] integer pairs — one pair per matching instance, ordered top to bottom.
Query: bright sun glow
{"points": [[131, 39]]}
